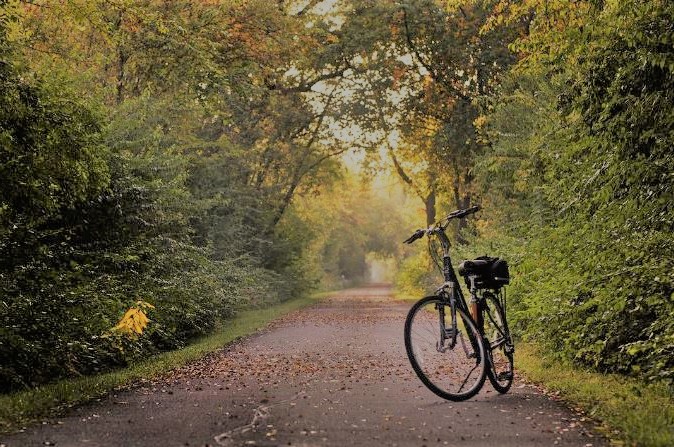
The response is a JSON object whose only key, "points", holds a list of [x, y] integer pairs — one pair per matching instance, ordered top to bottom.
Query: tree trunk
{"points": [[122, 57], [121, 62], [287, 198], [461, 202], [429, 204], [463, 224]]}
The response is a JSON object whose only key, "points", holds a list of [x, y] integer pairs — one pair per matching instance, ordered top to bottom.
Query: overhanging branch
{"points": [[417, 56]]}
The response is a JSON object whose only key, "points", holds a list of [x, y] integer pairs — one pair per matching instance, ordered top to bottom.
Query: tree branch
{"points": [[309, 6], [463, 13], [413, 48], [435, 76], [306, 86], [326, 157], [301, 171], [403, 175]]}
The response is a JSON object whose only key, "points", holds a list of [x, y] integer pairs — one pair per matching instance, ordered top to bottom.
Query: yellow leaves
{"points": [[162, 29], [395, 30], [547, 30], [398, 73], [480, 122], [431, 126], [134, 320]]}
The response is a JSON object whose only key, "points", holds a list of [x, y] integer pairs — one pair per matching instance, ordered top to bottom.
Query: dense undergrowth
{"points": [[145, 176], [578, 191], [93, 222]]}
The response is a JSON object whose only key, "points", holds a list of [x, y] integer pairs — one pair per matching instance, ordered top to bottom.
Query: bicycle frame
{"points": [[451, 287], [450, 291]]}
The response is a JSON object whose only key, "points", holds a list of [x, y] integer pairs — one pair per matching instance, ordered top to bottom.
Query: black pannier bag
{"points": [[488, 272]]}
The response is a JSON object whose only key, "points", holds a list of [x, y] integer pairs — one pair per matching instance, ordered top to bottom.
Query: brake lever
{"points": [[417, 235]]}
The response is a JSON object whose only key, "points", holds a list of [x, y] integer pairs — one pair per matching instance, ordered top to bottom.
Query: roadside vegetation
{"points": [[150, 155], [167, 163], [575, 179], [46, 401], [630, 412]]}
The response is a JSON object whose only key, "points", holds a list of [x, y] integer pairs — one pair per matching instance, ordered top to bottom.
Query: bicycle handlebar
{"points": [[458, 214], [417, 235]]}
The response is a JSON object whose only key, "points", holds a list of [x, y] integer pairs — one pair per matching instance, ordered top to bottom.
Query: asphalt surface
{"points": [[335, 374]]}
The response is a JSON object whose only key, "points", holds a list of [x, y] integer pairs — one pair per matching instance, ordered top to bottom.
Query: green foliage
{"points": [[51, 153], [582, 154], [52, 162], [132, 171], [348, 225], [417, 276], [631, 412]]}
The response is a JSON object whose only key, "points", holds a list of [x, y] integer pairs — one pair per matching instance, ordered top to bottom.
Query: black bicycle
{"points": [[452, 346]]}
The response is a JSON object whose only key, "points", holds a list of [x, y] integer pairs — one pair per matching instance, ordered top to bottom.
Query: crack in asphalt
{"points": [[260, 414]]}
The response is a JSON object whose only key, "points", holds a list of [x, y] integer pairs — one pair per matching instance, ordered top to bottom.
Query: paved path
{"points": [[335, 374]]}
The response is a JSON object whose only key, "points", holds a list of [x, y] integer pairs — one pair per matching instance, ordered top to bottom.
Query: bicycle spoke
{"points": [[452, 371], [467, 377]]}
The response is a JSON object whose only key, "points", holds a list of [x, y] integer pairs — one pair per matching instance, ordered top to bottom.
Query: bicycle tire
{"points": [[445, 366], [501, 370]]}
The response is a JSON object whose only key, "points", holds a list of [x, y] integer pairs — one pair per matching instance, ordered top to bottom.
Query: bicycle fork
{"points": [[446, 333], [451, 333]]}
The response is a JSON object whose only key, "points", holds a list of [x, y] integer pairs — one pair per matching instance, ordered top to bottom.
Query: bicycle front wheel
{"points": [[447, 354]]}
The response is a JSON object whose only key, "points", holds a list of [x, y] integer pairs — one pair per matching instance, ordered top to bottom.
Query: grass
{"points": [[21, 408], [630, 412]]}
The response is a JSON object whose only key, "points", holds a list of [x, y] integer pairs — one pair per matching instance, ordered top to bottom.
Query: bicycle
{"points": [[446, 340]]}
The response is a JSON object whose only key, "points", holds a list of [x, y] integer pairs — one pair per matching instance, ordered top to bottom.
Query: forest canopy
{"points": [[183, 160]]}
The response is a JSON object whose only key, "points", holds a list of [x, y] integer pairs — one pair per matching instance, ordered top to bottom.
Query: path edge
{"points": [[20, 409], [627, 411]]}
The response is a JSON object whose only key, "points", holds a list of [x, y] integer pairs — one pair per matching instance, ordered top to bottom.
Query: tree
{"points": [[435, 66], [587, 117]]}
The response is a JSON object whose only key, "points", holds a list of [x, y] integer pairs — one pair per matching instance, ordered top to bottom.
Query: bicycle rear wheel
{"points": [[499, 344], [453, 367]]}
